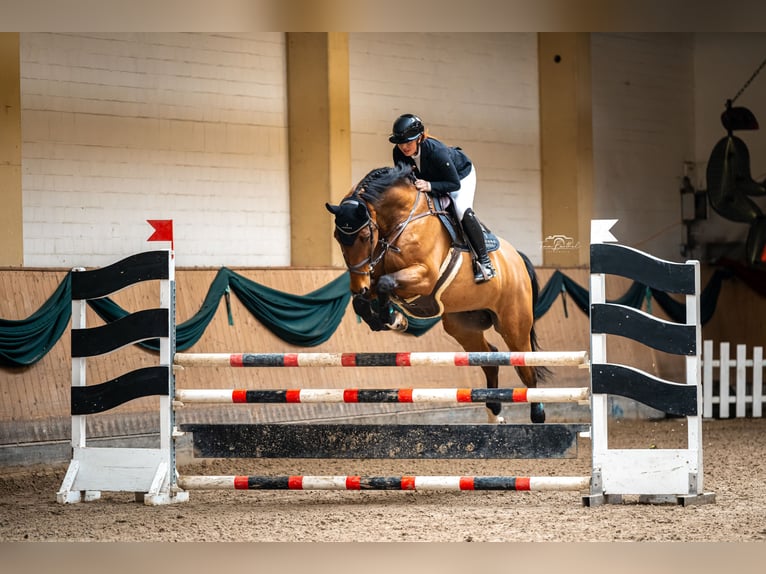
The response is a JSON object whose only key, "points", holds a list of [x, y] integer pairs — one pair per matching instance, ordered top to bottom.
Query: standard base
{"points": [[146, 474], [593, 500]]}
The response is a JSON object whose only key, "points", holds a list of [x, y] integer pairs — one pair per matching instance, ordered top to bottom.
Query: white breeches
{"points": [[463, 197]]}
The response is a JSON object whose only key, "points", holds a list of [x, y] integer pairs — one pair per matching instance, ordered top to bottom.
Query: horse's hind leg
{"points": [[468, 330], [521, 338], [491, 375], [528, 376]]}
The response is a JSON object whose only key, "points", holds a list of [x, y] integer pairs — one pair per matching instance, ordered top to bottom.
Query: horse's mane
{"points": [[373, 185]]}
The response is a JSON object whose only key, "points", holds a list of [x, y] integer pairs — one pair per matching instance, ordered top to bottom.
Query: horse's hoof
{"points": [[399, 322], [537, 413], [493, 418]]}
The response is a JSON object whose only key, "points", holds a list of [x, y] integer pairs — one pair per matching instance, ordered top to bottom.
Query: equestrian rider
{"points": [[442, 170]]}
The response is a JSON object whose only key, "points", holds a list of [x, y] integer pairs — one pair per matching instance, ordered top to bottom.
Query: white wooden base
{"points": [[142, 471], [646, 471], [593, 500]]}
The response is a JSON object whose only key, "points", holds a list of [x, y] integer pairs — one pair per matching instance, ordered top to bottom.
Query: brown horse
{"points": [[397, 250]]}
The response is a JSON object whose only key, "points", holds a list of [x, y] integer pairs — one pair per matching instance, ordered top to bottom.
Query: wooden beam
{"points": [[319, 141], [566, 146], [11, 213]]}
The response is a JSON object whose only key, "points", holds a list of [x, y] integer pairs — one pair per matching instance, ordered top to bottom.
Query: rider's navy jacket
{"points": [[441, 165]]}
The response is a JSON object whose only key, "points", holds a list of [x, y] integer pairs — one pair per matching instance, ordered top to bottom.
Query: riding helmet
{"points": [[406, 128]]}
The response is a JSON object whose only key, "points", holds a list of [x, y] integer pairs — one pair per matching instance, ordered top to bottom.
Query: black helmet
{"points": [[406, 128]]}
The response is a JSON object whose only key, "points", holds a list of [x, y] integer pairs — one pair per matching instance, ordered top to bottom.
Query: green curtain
{"points": [[560, 284], [302, 320], [305, 320], [26, 341]]}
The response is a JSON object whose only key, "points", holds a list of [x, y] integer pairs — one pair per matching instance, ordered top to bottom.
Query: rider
{"points": [[442, 170]]}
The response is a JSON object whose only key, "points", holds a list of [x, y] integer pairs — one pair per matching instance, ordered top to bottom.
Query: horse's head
{"points": [[356, 222], [357, 234]]}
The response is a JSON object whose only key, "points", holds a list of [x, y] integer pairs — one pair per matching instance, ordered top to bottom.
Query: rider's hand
{"points": [[422, 185]]}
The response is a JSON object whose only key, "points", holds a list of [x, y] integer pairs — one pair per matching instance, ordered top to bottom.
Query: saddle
{"points": [[444, 208], [430, 306]]}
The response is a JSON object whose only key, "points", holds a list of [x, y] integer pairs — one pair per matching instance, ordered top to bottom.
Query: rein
{"points": [[387, 243]]}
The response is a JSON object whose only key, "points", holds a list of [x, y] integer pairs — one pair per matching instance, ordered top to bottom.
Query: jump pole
{"points": [[420, 359], [451, 396], [417, 483]]}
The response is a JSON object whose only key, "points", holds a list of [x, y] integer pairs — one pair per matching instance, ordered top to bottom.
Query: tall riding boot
{"points": [[482, 267]]}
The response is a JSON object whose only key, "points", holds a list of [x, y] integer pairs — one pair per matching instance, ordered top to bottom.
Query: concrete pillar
{"points": [[566, 134], [319, 141], [11, 213]]}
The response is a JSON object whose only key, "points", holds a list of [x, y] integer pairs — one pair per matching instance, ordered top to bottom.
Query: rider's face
{"points": [[408, 148]]}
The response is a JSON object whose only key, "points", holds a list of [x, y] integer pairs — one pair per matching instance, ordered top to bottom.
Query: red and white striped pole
{"points": [[421, 359], [462, 395], [462, 483]]}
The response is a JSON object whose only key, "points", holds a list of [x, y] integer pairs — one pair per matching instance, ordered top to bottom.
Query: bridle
{"points": [[372, 226], [383, 244]]}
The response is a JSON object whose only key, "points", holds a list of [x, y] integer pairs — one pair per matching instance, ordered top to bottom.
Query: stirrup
{"points": [[483, 271]]}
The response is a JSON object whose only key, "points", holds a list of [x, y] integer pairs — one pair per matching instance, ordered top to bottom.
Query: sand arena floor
{"points": [[735, 469]]}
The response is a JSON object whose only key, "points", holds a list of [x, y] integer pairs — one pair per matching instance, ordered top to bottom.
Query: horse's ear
{"points": [[334, 209]]}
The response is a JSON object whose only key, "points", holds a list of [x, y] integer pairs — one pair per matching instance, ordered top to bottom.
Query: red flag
{"points": [[163, 230]]}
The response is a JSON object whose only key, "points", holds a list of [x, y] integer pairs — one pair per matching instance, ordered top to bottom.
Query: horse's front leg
{"points": [[406, 283], [363, 308], [390, 317]]}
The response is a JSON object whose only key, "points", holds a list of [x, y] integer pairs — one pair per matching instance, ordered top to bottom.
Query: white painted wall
{"points": [[476, 91], [657, 102], [120, 128], [643, 132]]}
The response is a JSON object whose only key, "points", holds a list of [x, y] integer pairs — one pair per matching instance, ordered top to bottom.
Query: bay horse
{"points": [[397, 250]]}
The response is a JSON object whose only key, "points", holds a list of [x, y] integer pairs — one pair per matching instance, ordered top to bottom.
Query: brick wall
{"points": [[120, 128], [643, 131]]}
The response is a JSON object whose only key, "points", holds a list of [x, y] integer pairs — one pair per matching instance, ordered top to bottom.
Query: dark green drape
{"points": [[560, 284], [302, 320], [26, 341]]}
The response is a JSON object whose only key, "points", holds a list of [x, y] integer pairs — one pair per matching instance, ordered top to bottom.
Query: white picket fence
{"points": [[747, 389]]}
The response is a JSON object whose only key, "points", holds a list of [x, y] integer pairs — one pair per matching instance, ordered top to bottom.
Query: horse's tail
{"points": [[542, 372]]}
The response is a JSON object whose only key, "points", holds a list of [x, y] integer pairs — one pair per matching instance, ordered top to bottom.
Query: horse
{"points": [[402, 257]]}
